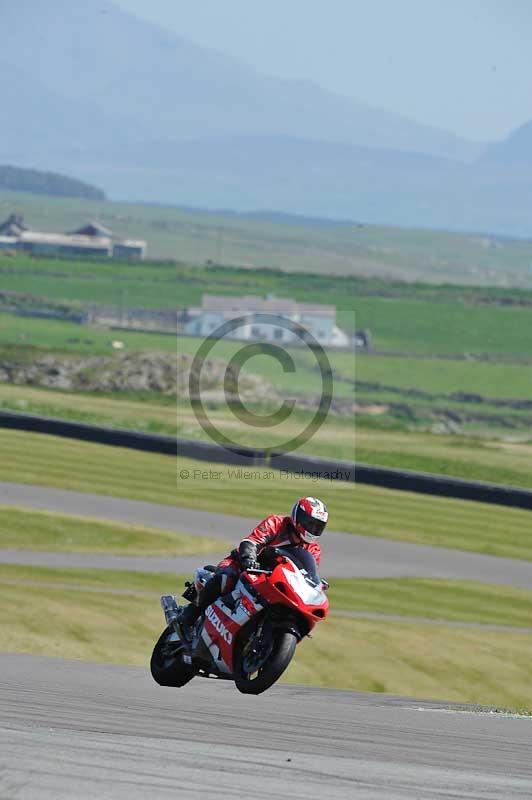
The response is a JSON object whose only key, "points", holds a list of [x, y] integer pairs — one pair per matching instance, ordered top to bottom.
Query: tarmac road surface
{"points": [[344, 555], [71, 729]]}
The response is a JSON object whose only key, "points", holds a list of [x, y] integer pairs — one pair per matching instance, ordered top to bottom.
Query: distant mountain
{"points": [[155, 84], [90, 90], [35, 120], [514, 151], [15, 179], [317, 179]]}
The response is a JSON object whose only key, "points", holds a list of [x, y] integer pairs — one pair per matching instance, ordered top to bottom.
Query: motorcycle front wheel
{"points": [[263, 659], [166, 665]]}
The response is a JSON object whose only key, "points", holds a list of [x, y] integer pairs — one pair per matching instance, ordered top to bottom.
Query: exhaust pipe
{"points": [[170, 609]]}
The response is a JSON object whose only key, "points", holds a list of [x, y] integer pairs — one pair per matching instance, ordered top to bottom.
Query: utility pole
{"points": [[219, 247]]}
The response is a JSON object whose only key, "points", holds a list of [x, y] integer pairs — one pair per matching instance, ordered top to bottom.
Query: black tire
{"points": [[282, 651], [166, 664]]}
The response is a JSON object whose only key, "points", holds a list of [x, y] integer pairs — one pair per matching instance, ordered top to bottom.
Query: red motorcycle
{"points": [[249, 635]]}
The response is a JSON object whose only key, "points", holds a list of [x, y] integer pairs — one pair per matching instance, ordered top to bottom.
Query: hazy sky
{"points": [[464, 65]]}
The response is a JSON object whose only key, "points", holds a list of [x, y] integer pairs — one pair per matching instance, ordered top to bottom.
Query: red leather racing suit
{"points": [[274, 531]]}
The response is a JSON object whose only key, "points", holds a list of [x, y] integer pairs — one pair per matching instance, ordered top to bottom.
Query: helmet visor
{"points": [[312, 525]]}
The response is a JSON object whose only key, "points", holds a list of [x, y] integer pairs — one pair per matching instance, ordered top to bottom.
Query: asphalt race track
{"points": [[344, 555], [72, 729], [76, 730]]}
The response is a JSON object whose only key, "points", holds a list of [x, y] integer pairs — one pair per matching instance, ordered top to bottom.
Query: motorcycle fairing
{"points": [[287, 586], [311, 595], [223, 622]]}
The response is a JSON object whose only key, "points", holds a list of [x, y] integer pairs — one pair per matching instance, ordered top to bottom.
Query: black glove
{"points": [[247, 552], [249, 563], [325, 585]]}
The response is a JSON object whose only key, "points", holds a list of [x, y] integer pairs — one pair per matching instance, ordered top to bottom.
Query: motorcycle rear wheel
{"points": [[281, 651], [166, 664]]}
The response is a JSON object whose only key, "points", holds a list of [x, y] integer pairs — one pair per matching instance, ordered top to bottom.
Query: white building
{"points": [[92, 239], [8, 242], [63, 244], [130, 248], [265, 319]]}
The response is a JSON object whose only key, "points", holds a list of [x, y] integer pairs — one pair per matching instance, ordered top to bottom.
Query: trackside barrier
{"points": [[152, 443], [384, 477], [406, 480]]}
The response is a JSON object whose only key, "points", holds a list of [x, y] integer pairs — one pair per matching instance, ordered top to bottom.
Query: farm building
{"points": [[13, 226], [94, 230], [10, 232], [92, 239], [8, 242], [56, 243], [130, 248], [318, 320]]}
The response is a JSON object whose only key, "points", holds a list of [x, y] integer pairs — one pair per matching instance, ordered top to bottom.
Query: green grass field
{"points": [[196, 237], [78, 281], [472, 297], [410, 320], [417, 326], [68, 337], [439, 376], [436, 377], [414, 394], [418, 394], [415, 397], [144, 412], [50, 461], [496, 461], [40, 530], [423, 598], [452, 601], [82, 615], [465, 666]]}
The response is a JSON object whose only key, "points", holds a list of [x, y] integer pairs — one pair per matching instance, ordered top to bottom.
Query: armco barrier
{"points": [[149, 442], [152, 443], [209, 451], [401, 480], [406, 480]]}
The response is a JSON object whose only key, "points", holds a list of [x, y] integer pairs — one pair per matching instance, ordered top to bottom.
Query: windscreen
{"points": [[305, 561]]}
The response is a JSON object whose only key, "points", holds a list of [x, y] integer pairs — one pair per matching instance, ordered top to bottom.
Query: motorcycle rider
{"points": [[302, 528]]}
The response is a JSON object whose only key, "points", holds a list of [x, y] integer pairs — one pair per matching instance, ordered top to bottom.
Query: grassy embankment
{"points": [[464, 456], [50, 461], [41, 530], [464, 664]]}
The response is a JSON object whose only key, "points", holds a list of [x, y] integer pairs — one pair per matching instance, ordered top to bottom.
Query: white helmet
{"points": [[309, 517]]}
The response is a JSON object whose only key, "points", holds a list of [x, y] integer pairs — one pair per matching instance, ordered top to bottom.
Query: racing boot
{"points": [[193, 611], [187, 620]]}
